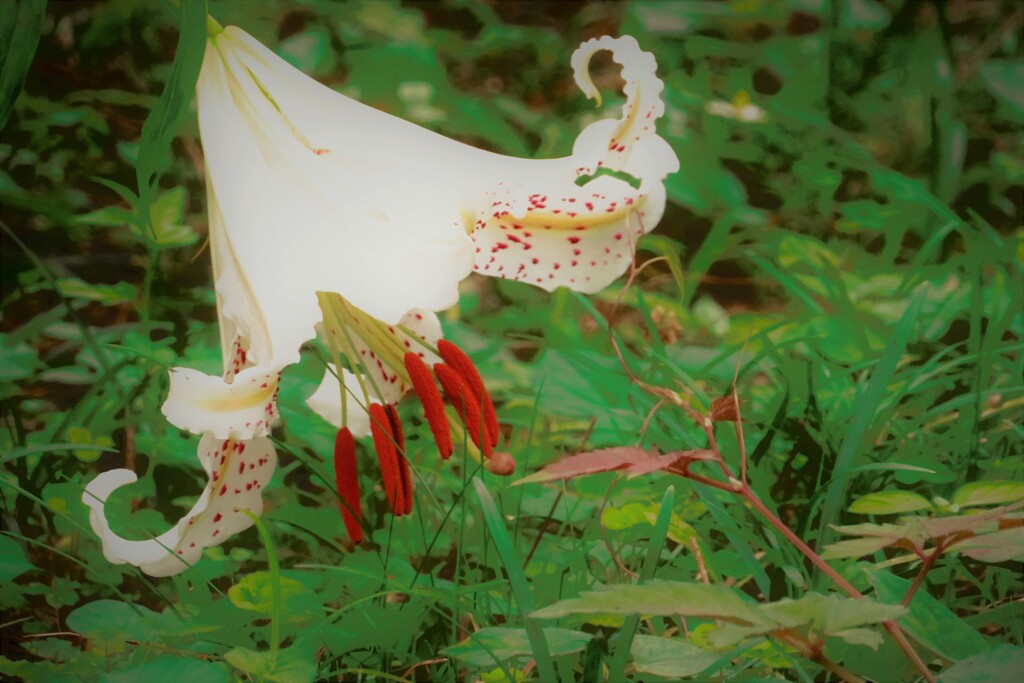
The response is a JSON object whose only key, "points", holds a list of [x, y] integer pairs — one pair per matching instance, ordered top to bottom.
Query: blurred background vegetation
{"points": [[844, 233]]}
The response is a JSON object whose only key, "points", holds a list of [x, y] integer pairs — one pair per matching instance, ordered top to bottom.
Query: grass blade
{"points": [[864, 414], [516, 577], [624, 641]]}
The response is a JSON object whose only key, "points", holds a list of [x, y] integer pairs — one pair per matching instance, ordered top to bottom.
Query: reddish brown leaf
{"points": [[724, 409]]}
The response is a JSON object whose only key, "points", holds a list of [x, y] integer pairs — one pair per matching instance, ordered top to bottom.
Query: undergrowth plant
{"points": [[786, 446]]}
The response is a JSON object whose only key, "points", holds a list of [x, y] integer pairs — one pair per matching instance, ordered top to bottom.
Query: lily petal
{"points": [[384, 384], [205, 404], [238, 471]]}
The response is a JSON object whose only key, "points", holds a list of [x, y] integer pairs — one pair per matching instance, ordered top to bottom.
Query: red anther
{"points": [[457, 359], [433, 404], [466, 405], [384, 444], [346, 479], [403, 502]]}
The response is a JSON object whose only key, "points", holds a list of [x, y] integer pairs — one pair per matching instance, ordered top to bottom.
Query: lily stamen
{"points": [[457, 359], [462, 398], [433, 404], [346, 479]]}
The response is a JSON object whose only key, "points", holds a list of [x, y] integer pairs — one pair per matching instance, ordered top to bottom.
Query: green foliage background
{"points": [[854, 260]]}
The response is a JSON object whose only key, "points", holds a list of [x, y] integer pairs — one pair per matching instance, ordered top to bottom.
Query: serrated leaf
{"points": [[634, 460], [989, 493], [890, 503], [999, 546], [856, 547], [659, 598], [490, 646], [669, 657]]}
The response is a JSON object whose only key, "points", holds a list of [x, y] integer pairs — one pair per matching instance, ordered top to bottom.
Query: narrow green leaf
{"points": [[20, 24], [162, 123], [864, 408], [989, 493], [890, 503], [516, 577], [623, 642]]}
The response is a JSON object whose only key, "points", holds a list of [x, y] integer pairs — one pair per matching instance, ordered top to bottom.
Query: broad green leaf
{"points": [[20, 24], [165, 214], [989, 493], [890, 503], [13, 562], [253, 593], [659, 598], [929, 621], [109, 623], [489, 646], [669, 657], [1001, 663], [296, 664], [171, 670]]}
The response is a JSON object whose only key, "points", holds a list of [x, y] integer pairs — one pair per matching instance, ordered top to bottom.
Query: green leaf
{"points": [[20, 24], [1003, 79], [162, 123], [165, 214], [108, 295], [17, 360], [989, 493], [890, 503], [999, 546], [855, 547], [13, 562], [520, 587], [254, 593], [659, 598], [929, 621], [108, 623], [490, 646], [670, 658], [1001, 663], [296, 664], [171, 670]]}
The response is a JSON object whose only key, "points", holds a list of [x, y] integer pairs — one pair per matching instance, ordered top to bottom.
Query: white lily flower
{"points": [[321, 206]]}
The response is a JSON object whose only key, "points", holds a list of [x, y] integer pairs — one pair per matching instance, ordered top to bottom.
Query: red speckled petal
{"points": [[582, 238], [238, 471]]}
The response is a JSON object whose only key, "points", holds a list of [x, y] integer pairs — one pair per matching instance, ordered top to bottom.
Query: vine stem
{"points": [[926, 566]]}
